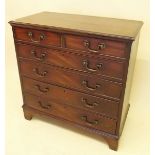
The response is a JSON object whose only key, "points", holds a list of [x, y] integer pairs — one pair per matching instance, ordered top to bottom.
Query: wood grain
{"points": [[119, 28], [111, 48], [86, 63], [77, 69], [81, 82], [76, 99], [71, 114]]}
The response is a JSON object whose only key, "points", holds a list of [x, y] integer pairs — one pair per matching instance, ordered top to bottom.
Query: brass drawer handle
{"points": [[41, 37], [99, 47], [42, 55], [85, 63], [41, 74], [85, 83], [45, 90], [89, 105], [44, 106], [84, 118]]}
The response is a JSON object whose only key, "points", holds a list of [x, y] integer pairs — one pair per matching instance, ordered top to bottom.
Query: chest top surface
{"points": [[119, 28]]}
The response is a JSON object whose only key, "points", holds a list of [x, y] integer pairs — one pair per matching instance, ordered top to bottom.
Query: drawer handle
{"points": [[41, 37], [99, 47], [42, 55], [86, 65], [43, 74], [85, 83], [45, 90], [89, 105], [44, 106], [84, 118]]}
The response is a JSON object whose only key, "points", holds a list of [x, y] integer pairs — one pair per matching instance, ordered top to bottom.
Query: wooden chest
{"points": [[77, 69]]}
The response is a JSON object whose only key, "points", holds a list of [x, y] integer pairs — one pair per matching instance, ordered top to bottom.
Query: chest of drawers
{"points": [[77, 69]]}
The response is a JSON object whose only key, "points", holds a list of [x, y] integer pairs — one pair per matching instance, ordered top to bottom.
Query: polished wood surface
{"points": [[120, 28], [39, 37], [95, 45], [86, 63], [77, 69], [81, 82], [77, 99], [69, 113]]}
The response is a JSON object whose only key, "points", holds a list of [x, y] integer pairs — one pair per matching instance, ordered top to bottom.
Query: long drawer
{"points": [[86, 63], [82, 82], [62, 95], [66, 112]]}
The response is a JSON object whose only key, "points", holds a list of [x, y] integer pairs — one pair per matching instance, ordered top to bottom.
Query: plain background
{"points": [[39, 137]]}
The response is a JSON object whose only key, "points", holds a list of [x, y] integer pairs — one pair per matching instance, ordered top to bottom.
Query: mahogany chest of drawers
{"points": [[77, 69]]}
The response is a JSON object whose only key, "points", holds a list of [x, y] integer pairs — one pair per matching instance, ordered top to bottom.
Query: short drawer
{"points": [[37, 36], [97, 46], [108, 68], [82, 82], [76, 99], [69, 113]]}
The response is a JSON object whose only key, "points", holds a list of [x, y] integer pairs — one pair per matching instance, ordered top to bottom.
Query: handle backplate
{"points": [[41, 37], [87, 44], [41, 57], [85, 63], [41, 74], [85, 83], [42, 90], [89, 105], [44, 106], [85, 118]]}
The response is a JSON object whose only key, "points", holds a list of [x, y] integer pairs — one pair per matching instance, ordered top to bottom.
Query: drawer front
{"points": [[37, 36], [96, 46], [109, 68], [90, 84], [63, 95], [76, 115]]}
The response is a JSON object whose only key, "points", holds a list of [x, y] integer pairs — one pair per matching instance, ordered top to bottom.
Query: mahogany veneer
{"points": [[77, 69]]}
